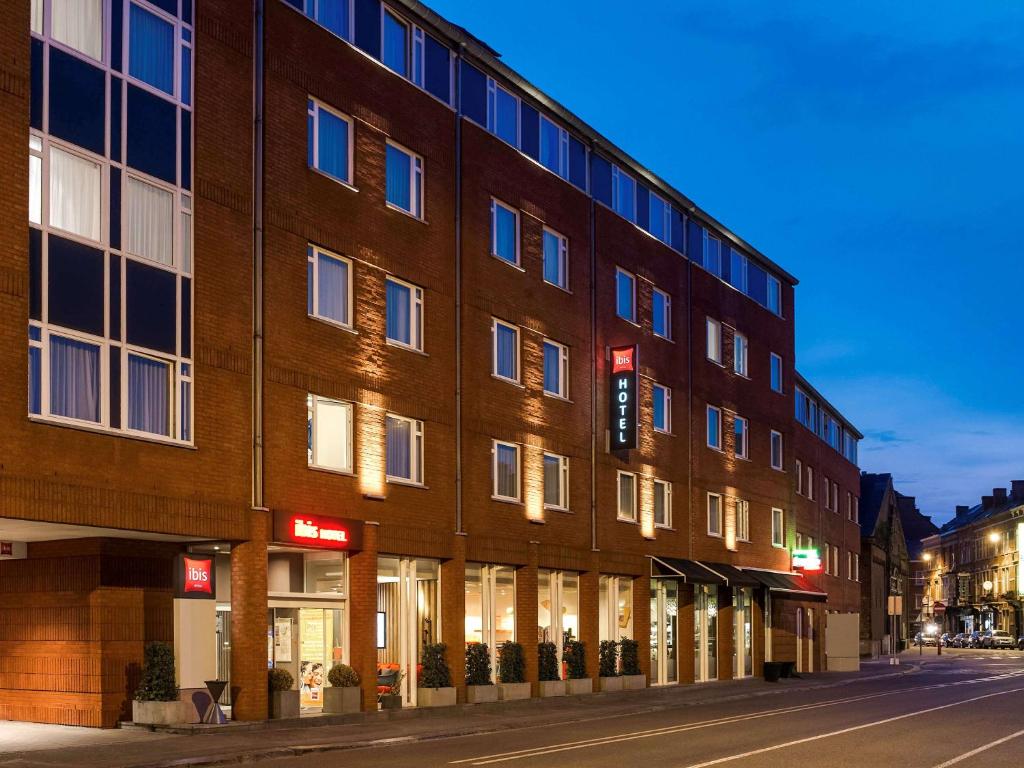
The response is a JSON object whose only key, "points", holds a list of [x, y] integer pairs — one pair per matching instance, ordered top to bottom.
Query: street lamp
{"points": [[993, 537], [927, 557], [987, 586]]}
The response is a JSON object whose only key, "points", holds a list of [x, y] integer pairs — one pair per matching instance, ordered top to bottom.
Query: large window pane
{"points": [[334, 15], [78, 24], [396, 45], [151, 49], [505, 115], [332, 144], [551, 146], [74, 194], [624, 194], [150, 214], [503, 233], [555, 259], [332, 288], [625, 295], [506, 351], [554, 373], [74, 379], [149, 388], [330, 433], [506, 462], [554, 481]]}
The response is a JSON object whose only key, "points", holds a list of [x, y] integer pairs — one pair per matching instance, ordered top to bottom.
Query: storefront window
{"points": [[558, 606], [490, 607], [616, 607], [408, 611], [664, 626], [705, 632], [742, 656]]}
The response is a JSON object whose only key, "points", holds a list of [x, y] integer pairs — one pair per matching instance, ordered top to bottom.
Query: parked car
{"points": [[924, 638], [997, 638], [974, 639], [946, 640], [959, 640], [1020, 643]]}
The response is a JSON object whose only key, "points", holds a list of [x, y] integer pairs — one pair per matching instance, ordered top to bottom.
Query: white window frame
{"points": [[386, 11], [313, 108], [492, 113], [563, 146], [616, 173], [416, 182], [162, 186], [495, 204], [47, 207], [666, 217], [708, 237], [312, 254], [563, 259], [774, 290], [632, 302], [415, 315], [666, 315], [495, 322], [713, 340], [740, 348], [563, 369], [782, 386], [666, 393], [172, 400], [312, 406], [718, 419], [495, 444], [415, 451], [745, 453], [777, 465], [799, 477], [563, 481], [810, 482], [666, 490], [828, 492], [835, 497], [632, 516], [742, 520], [778, 528], [716, 530]]}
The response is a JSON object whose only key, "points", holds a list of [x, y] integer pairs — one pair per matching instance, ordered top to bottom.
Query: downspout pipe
{"points": [[257, 259], [594, 411], [459, 528]]}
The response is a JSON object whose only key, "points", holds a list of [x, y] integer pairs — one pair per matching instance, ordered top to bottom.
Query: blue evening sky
{"points": [[873, 149]]}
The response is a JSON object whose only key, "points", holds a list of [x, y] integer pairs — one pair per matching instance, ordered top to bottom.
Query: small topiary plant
{"points": [[575, 655], [629, 656], [608, 658], [511, 662], [547, 662], [478, 664], [435, 667], [343, 676], [279, 679], [158, 682]]}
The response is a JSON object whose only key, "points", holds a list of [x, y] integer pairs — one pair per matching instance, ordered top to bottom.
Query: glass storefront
{"points": [[615, 606], [490, 608], [558, 608], [408, 618], [664, 631], [705, 632], [742, 638]]}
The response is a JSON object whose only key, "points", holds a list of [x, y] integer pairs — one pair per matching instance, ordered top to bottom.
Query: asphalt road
{"points": [[962, 709]]}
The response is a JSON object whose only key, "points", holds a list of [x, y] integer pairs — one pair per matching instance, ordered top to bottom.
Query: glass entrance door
{"points": [[409, 617], [664, 631], [705, 632], [307, 640], [743, 658]]}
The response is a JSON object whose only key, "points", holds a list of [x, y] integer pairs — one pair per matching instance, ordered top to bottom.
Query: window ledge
{"points": [[341, 182], [409, 214], [515, 265], [563, 289], [333, 323], [634, 323], [657, 335], [404, 347], [513, 382], [553, 396], [100, 429], [668, 432], [331, 471], [407, 483], [506, 500], [563, 510], [628, 520], [668, 528], [714, 535]]}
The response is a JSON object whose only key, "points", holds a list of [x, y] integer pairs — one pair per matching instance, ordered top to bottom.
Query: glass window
{"points": [[333, 14], [36, 22], [78, 24], [151, 49], [395, 51], [502, 113], [330, 142], [554, 147], [35, 179], [404, 180], [74, 194], [623, 194], [659, 219], [150, 221], [504, 232], [712, 254], [556, 259], [738, 270], [329, 287], [625, 295], [774, 295], [404, 314], [661, 314], [714, 340], [506, 350], [739, 354], [556, 368], [35, 369], [776, 373], [74, 379], [149, 395], [662, 408], [714, 427], [740, 430], [328, 433], [404, 445], [776, 450], [506, 471], [799, 477], [556, 481], [810, 483], [627, 496], [662, 504], [714, 514], [742, 520], [778, 528]]}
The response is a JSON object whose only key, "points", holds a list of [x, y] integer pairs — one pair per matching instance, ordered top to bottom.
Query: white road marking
{"points": [[851, 729], [979, 750]]}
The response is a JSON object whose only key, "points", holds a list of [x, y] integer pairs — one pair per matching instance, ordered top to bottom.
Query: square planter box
{"points": [[634, 682], [610, 683], [579, 686], [550, 688], [513, 691], [481, 694], [435, 697], [342, 701], [390, 701], [284, 704], [161, 712]]}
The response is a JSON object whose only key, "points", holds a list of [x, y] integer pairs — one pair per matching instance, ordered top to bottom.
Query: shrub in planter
{"points": [[575, 657], [608, 658], [629, 660], [547, 667], [512, 672], [435, 687], [479, 688], [344, 695], [393, 698], [156, 699], [284, 702]]}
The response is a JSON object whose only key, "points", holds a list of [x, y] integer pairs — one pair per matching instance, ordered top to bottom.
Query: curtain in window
{"points": [[333, 14], [37, 17], [78, 24], [396, 45], [151, 49], [507, 122], [332, 145], [550, 145], [398, 178], [35, 189], [74, 194], [150, 225], [504, 233], [552, 257], [332, 293], [624, 295], [398, 321], [505, 351], [35, 363], [552, 368], [74, 379], [149, 408], [659, 408], [186, 410], [331, 434], [399, 456], [507, 471], [552, 471], [625, 496], [659, 504]]}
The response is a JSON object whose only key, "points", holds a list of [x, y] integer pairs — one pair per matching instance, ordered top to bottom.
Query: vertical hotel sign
{"points": [[622, 398]]}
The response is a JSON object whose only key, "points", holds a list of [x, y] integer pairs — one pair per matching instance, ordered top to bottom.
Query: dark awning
{"points": [[689, 571], [734, 577], [792, 585]]}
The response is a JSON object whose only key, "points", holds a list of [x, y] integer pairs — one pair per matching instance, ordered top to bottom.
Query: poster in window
{"points": [[283, 640], [313, 651]]}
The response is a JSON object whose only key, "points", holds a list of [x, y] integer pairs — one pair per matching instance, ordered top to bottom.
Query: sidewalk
{"points": [[43, 746]]}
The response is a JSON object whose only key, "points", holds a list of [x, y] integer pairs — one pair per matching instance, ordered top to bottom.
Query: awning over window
{"points": [[690, 571], [734, 577], [791, 585]]}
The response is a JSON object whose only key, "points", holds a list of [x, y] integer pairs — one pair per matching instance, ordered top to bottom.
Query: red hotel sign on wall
{"points": [[622, 394], [318, 531], [195, 577]]}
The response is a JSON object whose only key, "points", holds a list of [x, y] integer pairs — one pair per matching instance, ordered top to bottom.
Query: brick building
{"points": [[330, 301]]}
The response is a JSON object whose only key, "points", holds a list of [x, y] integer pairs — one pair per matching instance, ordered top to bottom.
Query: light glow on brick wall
{"points": [[370, 441], [533, 483], [647, 502], [729, 518]]}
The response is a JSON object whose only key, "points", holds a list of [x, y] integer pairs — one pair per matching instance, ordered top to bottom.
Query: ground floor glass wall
{"points": [[490, 607], [558, 608], [408, 618], [664, 631], [705, 632], [742, 639]]}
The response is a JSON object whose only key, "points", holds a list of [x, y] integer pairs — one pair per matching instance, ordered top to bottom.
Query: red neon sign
{"points": [[623, 359], [310, 530], [318, 531], [197, 575]]}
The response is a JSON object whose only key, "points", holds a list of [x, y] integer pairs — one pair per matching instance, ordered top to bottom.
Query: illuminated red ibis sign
{"points": [[622, 394], [318, 531], [195, 577]]}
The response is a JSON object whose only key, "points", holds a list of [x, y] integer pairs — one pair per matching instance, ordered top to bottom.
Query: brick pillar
{"points": [[453, 613], [362, 615], [526, 615], [589, 619], [249, 621], [642, 622], [726, 630], [684, 633]]}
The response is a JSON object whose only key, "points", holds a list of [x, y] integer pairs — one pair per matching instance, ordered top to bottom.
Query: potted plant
{"points": [[575, 655], [629, 665], [608, 666], [547, 667], [512, 672], [435, 687], [479, 688], [344, 696], [392, 698], [156, 700], [284, 702]]}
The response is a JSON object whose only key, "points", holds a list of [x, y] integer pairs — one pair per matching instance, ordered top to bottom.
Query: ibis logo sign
{"points": [[622, 399], [806, 560], [194, 578]]}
